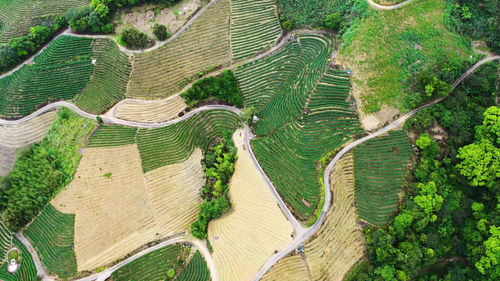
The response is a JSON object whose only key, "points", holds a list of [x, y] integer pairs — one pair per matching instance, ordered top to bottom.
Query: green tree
{"points": [[332, 21], [287, 25], [160, 31], [134, 38], [247, 114], [490, 129], [480, 163]]}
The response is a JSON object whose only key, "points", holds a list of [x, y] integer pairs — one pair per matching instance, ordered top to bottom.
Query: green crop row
{"points": [[304, 114], [112, 135], [380, 169], [52, 235], [5, 238], [152, 266], [27, 270], [195, 270]]}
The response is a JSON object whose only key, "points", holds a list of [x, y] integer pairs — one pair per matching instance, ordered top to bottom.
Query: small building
{"points": [[255, 119]]}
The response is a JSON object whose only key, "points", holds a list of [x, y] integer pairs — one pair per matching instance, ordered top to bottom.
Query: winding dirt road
{"points": [[388, 7]]}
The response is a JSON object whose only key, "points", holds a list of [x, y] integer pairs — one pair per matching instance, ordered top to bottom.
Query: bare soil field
{"points": [[144, 17], [150, 110], [21, 136], [150, 206], [247, 236]]}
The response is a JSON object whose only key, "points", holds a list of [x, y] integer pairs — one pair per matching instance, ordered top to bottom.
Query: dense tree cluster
{"points": [[477, 19], [160, 31], [133, 38], [22, 47], [223, 87], [219, 167], [41, 171], [447, 227]]}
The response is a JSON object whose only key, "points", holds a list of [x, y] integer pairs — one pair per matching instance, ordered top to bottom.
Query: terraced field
{"points": [[17, 16], [254, 26], [203, 45], [59, 72], [108, 83], [151, 111], [303, 115], [112, 135], [21, 136], [172, 144], [380, 170], [106, 229], [51, 234], [246, 237], [5, 241], [339, 243], [150, 267], [292, 268], [196, 269], [27, 270]]}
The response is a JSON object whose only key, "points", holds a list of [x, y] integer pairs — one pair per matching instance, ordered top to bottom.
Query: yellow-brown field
{"points": [[205, 44], [151, 110], [20, 136], [113, 203], [247, 236], [339, 243], [292, 268]]}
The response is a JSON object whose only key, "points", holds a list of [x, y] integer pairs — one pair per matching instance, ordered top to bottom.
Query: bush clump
{"points": [[160, 31], [134, 39], [223, 87]]}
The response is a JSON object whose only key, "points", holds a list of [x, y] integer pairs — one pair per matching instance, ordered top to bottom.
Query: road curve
{"points": [[388, 7], [326, 176]]}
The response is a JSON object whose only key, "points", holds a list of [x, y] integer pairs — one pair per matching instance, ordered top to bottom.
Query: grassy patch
{"points": [[391, 47], [14, 254]]}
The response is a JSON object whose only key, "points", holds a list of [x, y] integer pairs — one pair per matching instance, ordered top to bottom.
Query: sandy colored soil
{"points": [[145, 17], [151, 110], [378, 119], [21, 136], [174, 192], [116, 215], [246, 237], [339, 243], [292, 268]]}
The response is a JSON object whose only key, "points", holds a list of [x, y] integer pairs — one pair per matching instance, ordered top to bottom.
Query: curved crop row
{"points": [[17, 16], [254, 26], [205, 44], [59, 72], [108, 83], [303, 115], [112, 135], [175, 143], [380, 169], [52, 235], [5, 240], [150, 267], [27, 270], [195, 270]]}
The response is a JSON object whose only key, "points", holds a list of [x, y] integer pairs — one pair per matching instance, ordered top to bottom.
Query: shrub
{"points": [[333, 21], [287, 25], [160, 32], [134, 38]]}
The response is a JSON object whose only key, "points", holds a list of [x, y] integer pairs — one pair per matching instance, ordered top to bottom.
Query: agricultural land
{"points": [[247, 140]]}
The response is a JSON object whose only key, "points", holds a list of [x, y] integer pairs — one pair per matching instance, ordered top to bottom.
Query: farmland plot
{"points": [[17, 16], [254, 26], [203, 45], [59, 72], [108, 83], [151, 110], [303, 115], [21, 136], [175, 143], [380, 169], [159, 203], [52, 235], [247, 236], [5, 240], [339, 243], [292, 268], [196, 269], [27, 271]]}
